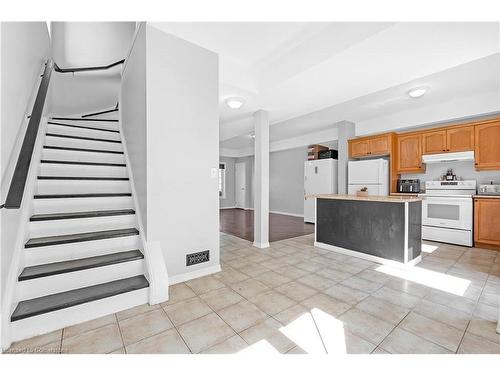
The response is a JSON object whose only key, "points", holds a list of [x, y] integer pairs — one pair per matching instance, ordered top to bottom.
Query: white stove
{"points": [[447, 211]]}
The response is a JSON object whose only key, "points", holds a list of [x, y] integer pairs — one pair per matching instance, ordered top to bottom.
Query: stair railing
{"points": [[87, 69], [18, 182]]}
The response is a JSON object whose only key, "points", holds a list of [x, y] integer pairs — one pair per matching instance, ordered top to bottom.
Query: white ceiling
{"points": [[351, 70]]}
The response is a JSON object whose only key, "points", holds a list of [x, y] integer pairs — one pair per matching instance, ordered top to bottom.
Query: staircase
{"points": [[84, 257]]}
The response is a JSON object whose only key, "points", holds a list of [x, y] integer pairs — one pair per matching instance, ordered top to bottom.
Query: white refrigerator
{"points": [[372, 174], [320, 177]]}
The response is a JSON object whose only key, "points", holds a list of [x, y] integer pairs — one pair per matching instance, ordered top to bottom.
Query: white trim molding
{"points": [[285, 213], [369, 257], [194, 274]]}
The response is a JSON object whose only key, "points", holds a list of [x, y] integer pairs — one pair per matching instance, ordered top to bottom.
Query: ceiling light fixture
{"points": [[417, 92], [235, 102], [252, 135]]}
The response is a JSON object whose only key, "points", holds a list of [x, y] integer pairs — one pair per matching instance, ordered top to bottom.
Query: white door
{"points": [[318, 179], [240, 185]]}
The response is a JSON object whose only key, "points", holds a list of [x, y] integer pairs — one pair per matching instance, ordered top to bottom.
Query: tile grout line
{"points": [[121, 334], [462, 338]]}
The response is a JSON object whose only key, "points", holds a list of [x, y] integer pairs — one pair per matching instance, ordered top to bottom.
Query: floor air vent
{"points": [[195, 258]]}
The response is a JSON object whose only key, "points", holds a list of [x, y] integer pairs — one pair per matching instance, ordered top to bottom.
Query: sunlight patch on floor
{"points": [[426, 248], [433, 279], [331, 330], [304, 333]]}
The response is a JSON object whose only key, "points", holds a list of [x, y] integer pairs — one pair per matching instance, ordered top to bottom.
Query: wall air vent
{"points": [[195, 258]]}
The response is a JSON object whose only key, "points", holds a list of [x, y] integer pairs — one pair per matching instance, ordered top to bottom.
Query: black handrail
{"points": [[92, 68], [18, 182]]}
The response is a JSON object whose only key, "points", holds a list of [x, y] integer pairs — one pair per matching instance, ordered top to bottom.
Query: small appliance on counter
{"points": [[328, 154], [408, 186], [489, 189]]}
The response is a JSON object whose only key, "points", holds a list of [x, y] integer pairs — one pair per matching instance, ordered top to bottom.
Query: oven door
{"points": [[447, 212]]}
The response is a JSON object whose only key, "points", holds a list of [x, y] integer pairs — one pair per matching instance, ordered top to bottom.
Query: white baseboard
{"points": [[227, 208], [286, 213], [261, 245], [369, 257], [194, 274]]}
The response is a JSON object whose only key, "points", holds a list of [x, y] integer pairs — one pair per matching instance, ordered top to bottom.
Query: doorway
{"points": [[240, 185]]}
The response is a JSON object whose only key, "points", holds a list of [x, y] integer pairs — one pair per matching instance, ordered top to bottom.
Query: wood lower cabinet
{"points": [[460, 139], [434, 142], [487, 145], [409, 153], [486, 225]]}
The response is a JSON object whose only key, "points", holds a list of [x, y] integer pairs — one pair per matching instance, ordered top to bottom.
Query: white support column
{"points": [[345, 132], [261, 192]]}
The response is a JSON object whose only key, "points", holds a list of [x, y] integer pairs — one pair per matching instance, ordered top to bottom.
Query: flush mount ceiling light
{"points": [[417, 92], [235, 102], [252, 135]]}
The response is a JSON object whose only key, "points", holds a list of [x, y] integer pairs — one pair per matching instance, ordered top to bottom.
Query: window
{"points": [[222, 180]]}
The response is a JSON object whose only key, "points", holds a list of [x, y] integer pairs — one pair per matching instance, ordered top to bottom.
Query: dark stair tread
{"points": [[83, 119], [84, 127], [82, 138], [81, 149], [82, 163], [76, 178], [91, 195], [81, 215], [80, 237], [57, 268], [59, 301]]}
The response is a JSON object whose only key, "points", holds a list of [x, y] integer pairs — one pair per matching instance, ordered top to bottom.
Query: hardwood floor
{"points": [[239, 223]]}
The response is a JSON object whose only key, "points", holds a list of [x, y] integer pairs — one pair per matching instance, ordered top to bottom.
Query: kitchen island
{"points": [[383, 229]]}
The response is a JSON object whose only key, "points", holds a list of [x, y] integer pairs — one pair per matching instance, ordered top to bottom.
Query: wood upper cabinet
{"points": [[460, 139], [448, 140], [434, 142], [380, 145], [370, 146], [487, 146], [359, 148], [409, 153], [486, 228]]}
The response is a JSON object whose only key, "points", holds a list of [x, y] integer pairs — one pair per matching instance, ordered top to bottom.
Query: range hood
{"points": [[449, 156]]}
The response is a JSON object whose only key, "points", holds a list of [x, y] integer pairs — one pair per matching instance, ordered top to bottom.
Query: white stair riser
{"points": [[111, 125], [80, 132], [82, 143], [95, 157], [48, 169], [81, 187], [50, 206], [70, 226], [77, 250], [44, 286], [52, 321]]}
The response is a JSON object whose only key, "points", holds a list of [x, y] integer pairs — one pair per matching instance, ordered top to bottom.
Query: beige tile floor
{"points": [[296, 298]]}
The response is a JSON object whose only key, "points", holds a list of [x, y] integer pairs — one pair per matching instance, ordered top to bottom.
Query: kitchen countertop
{"points": [[405, 194], [486, 196], [373, 198]]}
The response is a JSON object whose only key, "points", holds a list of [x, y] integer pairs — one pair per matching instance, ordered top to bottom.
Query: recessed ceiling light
{"points": [[417, 92], [235, 103], [252, 135]]}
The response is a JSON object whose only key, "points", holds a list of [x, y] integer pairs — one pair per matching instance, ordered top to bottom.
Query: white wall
{"points": [[83, 44], [24, 49], [85, 92], [133, 118], [183, 150], [286, 181]]}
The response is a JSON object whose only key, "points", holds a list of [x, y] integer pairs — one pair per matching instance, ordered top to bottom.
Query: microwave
{"points": [[408, 186]]}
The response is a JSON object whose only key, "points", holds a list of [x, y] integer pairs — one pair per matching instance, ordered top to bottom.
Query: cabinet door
{"points": [[460, 139], [434, 142], [380, 145], [487, 145], [359, 148], [409, 155], [486, 214]]}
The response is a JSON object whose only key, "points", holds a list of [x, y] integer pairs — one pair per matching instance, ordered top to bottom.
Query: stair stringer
{"points": [[156, 269], [11, 295]]}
